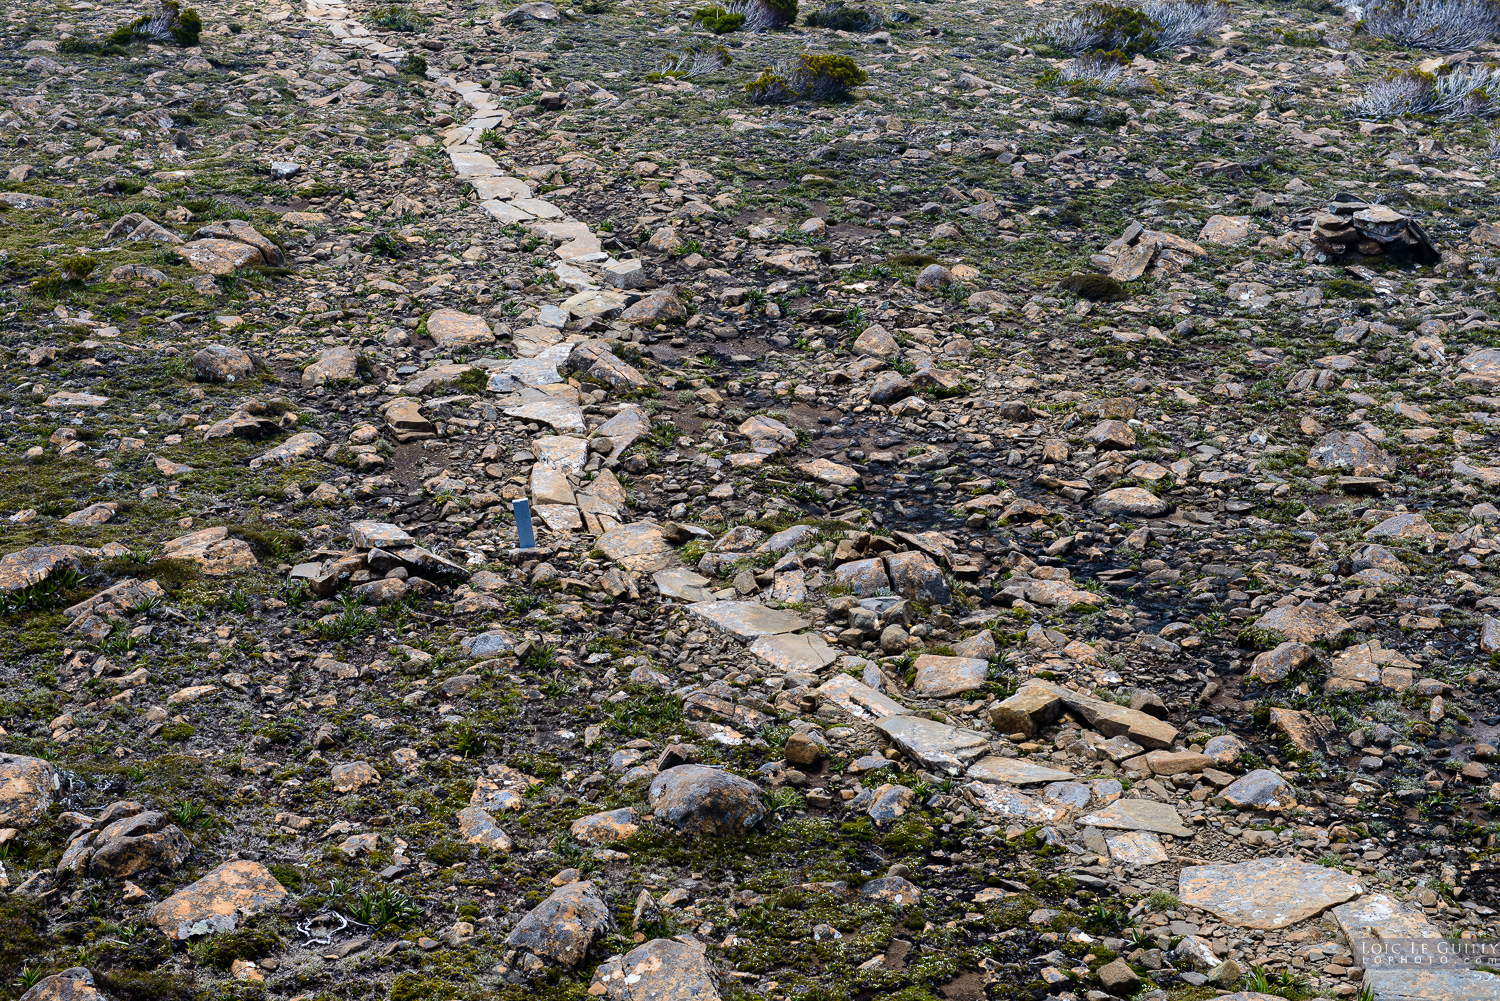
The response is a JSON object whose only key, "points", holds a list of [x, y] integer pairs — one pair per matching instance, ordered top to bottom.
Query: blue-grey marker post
{"points": [[525, 535]]}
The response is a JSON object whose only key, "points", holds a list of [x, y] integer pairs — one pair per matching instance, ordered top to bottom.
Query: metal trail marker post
{"points": [[525, 535]]}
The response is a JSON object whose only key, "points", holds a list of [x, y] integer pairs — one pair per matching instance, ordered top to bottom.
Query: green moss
{"points": [[1095, 288], [177, 731], [908, 835], [221, 950], [145, 985]]}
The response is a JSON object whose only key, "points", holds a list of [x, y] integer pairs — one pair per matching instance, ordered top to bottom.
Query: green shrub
{"points": [[838, 17], [399, 18], [718, 20], [170, 23], [1101, 26], [91, 47], [412, 65], [820, 77]]}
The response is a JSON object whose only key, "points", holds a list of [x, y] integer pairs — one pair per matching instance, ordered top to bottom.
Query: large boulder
{"points": [[222, 363], [212, 549], [26, 788], [697, 799], [127, 846], [218, 902], [562, 927], [661, 970], [73, 984]]}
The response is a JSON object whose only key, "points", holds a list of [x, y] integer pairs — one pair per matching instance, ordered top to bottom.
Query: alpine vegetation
{"points": [[1182, 22], [1440, 25], [694, 61], [808, 77], [1457, 94]]}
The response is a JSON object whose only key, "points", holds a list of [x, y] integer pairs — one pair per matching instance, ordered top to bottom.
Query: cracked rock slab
{"points": [[1265, 893]]}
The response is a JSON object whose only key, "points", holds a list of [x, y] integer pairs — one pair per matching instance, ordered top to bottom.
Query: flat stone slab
{"points": [[449, 328], [561, 416], [562, 451], [549, 485], [378, 535], [640, 547], [684, 584], [746, 620], [1308, 622], [806, 652], [940, 676], [858, 699], [935, 746], [1014, 771], [1003, 801], [1138, 815], [1136, 848], [1265, 893], [1381, 918], [1432, 985]]}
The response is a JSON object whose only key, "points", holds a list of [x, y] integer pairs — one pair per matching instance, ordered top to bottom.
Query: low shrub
{"points": [[763, 15], [837, 16], [399, 18], [718, 20], [1182, 22], [170, 23], [1157, 24], [1441, 25], [694, 61], [816, 77], [1450, 96]]}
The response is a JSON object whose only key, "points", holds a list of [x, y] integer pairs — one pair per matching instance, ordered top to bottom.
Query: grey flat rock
{"points": [[683, 584], [745, 620], [806, 652], [858, 699], [935, 746], [1014, 771], [1012, 804], [1138, 815], [1136, 848], [1265, 893], [1432, 985]]}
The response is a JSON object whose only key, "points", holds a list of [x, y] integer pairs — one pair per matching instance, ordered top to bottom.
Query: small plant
{"points": [[837, 16], [399, 18], [718, 20], [170, 23], [1441, 25], [412, 65], [815, 77], [385, 244], [540, 657], [467, 741], [187, 812], [1161, 900], [384, 907], [29, 977]]}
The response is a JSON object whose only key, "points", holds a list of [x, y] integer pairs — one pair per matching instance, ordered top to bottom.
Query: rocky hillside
{"points": [[661, 502]]}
